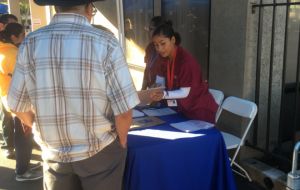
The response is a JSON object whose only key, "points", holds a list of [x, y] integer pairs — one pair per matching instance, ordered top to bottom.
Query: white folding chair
{"points": [[218, 96], [245, 109]]}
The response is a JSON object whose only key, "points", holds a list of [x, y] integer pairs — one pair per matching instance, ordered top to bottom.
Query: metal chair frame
{"points": [[219, 97], [245, 109]]}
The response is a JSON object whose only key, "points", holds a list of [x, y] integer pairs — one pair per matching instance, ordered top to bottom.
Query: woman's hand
{"points": [[157, 95]]}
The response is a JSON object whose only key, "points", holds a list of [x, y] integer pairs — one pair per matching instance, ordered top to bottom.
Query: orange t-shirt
{"points": [[8, 54]]}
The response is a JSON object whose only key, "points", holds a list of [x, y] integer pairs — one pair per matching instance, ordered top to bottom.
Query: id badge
{"points": [[172, 103]]}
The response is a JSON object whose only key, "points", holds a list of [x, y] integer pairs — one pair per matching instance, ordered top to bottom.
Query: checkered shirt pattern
{"points": [[75, 78]]}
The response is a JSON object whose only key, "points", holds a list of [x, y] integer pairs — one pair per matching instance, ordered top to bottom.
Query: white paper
{"points": [[159, 112], [137, 113], [192, 125], [172, 135]]}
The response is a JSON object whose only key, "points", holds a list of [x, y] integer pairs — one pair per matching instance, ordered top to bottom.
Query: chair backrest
{"points": [[218, 96], [241, 107]]}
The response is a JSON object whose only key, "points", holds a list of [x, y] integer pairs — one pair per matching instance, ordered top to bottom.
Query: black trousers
{"points": [[8, 129]]}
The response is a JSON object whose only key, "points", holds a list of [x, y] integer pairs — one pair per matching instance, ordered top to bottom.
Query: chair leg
{"points": [[246, 175]]}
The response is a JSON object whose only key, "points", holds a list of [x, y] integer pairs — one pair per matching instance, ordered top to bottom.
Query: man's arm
{"points": [[26, 117], [123, 123]]}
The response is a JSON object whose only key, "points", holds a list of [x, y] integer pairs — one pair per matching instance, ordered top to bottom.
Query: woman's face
{"points": [[164, 45]]}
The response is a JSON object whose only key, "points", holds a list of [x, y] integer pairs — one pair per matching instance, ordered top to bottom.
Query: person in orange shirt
{"points": [[10, 38], [8, 54], [7, 120]]}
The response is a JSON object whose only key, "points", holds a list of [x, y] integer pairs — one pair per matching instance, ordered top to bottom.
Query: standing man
{"points": [[72, 84]]}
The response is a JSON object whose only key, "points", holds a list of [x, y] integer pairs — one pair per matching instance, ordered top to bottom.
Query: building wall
{"points": [[14, 8], [39, 15], [227, 46], [233, 58]]}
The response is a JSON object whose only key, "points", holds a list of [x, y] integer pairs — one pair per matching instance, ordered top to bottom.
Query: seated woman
{"points": [[185, 87]]}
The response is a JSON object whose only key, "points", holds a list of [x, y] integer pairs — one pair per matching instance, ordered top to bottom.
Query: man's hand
{"points": [[156, 96], [123, 123]]}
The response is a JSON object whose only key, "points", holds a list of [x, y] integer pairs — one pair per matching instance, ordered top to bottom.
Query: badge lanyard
{"points": [[171, 71]]}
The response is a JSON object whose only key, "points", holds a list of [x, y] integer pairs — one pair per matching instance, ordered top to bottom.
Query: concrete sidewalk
{"points": [[7, 172]]}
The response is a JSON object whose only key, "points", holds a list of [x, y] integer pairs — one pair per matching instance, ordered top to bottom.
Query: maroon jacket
{"points": [[199, 104]]}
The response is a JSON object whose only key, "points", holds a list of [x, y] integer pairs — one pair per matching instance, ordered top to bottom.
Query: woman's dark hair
{"points": [[5, 17], [156, 21], [11, 29], [167, 30]]}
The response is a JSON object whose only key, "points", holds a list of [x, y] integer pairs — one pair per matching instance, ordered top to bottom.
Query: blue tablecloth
{"points": [[199, 163]]}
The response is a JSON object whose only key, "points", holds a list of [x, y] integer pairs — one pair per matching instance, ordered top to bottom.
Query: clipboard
{"points": [[145, 122], [192, 125]]}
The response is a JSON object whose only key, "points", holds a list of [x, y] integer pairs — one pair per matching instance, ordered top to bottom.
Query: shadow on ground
{"points": [[7, 172], [7, 181], [244, 184]]}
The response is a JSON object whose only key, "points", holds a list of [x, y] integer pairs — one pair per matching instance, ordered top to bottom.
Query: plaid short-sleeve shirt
{"points": [[74, 77]]}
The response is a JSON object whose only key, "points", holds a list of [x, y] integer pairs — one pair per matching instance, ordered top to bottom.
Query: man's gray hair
{"points": [[61, 9]]}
